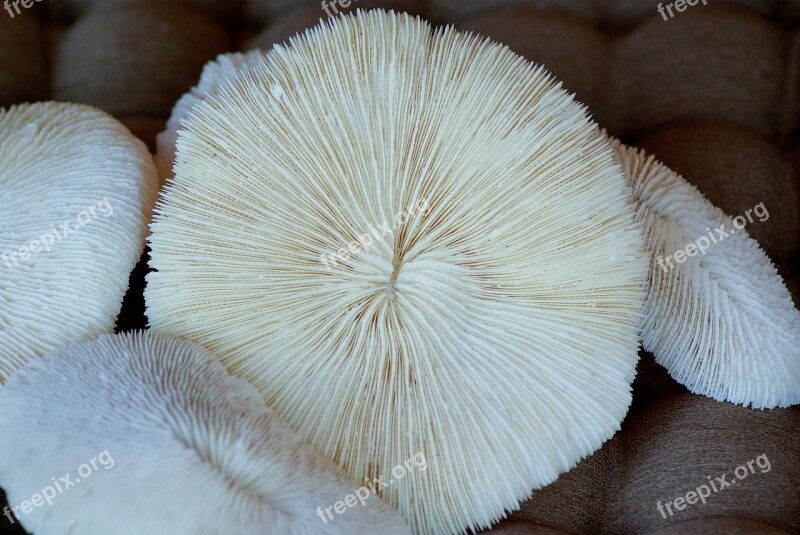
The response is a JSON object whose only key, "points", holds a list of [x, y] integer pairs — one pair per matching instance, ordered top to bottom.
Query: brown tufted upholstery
{"points": [[714, 92]]}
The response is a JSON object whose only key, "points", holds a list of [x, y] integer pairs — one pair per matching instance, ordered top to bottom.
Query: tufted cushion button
{"points": [[22, 59], [707, 63], [136, 69]]}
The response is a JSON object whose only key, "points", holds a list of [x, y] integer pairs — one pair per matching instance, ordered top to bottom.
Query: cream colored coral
{"points": [[214, 74], [76, 193], [723, 322], [495, 333], [183, 448]]}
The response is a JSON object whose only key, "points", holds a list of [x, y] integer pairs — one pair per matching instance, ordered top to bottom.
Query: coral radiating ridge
{"points": [[410, 241]]}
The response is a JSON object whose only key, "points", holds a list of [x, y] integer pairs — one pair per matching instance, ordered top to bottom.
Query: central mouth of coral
{"points": [[397, 264]]}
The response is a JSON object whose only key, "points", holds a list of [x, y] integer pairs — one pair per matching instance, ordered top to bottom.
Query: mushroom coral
{"points": [[225, 66], [76, 193], [410, 240], [722, 322], [154, 436]]}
